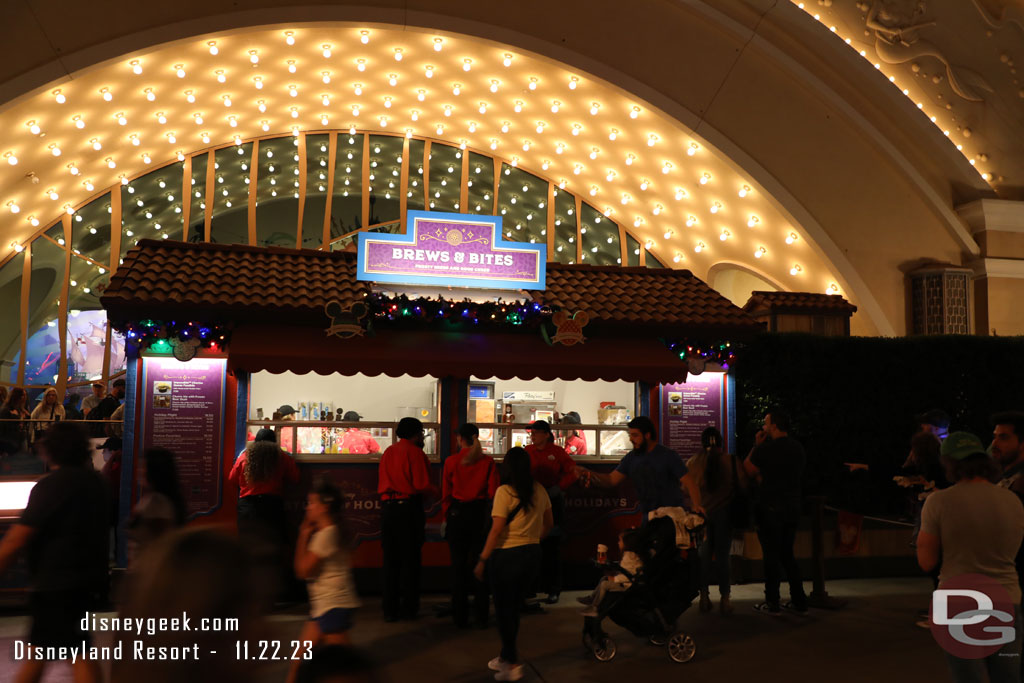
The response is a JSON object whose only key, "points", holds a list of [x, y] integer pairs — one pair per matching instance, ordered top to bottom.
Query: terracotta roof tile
{"points": [[160, 275], [798, 302]]}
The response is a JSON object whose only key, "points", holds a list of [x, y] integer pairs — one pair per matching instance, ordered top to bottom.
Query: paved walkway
{"points": [[873, 639]]}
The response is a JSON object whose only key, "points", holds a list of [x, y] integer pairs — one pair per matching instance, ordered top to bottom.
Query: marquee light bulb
{"points": [[289, 37], [364, 37], [438, 44], [213, 47], [326, 51], [507, 60], [467, 64], [136, 66], [291, 66], [179, 69], [221, 78], [392, 79], [573, 82], [494, 85], [532, 85], [456, 89], [293, 90], [107, 95], [59, 96], [190, 97], [227, 100], [554, 106], [483, 108], [355, 110], [198, 118], [121, 119], [324, 120], [233, 121], [79, 123], [472, 126], [504, 126], [34, 128], [576, 128], [440, 129], [205, 137], [135, 140], [652, 140], [494, 143], [96, 144], [559, 148], [11, 159], [146, 159], [630, 159], [545, 165], [704, 179], [644, 184], [88, 185], [52, 194], [625, 199], [13, 207], [716, 207], [691, 221], [752, 221], [668, 234], [725, 235], [791, 237], [699, 247], [761, 251], [678, 257], [796, 269]]}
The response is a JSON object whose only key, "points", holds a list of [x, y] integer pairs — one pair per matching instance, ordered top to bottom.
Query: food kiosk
{"points": [[447, 322]]}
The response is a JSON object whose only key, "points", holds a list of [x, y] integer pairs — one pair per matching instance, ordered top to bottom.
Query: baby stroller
{"points": [[659, 594]]}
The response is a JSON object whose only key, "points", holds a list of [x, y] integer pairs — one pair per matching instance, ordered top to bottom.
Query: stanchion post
{"points": [[819, 597]]}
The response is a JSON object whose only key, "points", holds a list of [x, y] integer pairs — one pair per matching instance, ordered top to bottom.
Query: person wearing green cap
{"points": [[975, 527]]}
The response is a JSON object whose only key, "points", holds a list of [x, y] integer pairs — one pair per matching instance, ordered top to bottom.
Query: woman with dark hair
{"points": [[13, 412], [261, 473], [720, 478], [468, 483], [162, 507], [520, 518], [975, 527], [323, 557]]}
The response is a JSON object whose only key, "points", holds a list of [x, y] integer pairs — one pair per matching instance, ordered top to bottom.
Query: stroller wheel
{"points": [[658, 639], [681, 647], [604, 651]]}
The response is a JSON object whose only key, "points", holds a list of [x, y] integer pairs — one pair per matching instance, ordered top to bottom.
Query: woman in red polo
{"points": [[468, 483]]}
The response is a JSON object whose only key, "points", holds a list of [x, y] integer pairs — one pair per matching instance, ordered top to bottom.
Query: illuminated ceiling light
{"points": [[289, 37], [364, 37], [438, 44], [213, 47], [326, 50], [507, 59], [467, 64], [136, 66], [291, 66], [179, 69], [428, 71], [221, 78], [392, 79], [573, 82], [494, 85], [532, 85], [357, 88], [456, 89], [293, 90], [107, 95], [150, 95], [421, 95], [59, 96], [190, 97], [227, 100], [325, 100], [554, 106], [483, 108], [355, 110], [447, 110], [634, 112], [415, 116], [121, 119], [198, 119], [324, 120], [383, 120], [233, 121], [472, 126], [505, 126], [34, 128], [576, 128], [440, 129], [408, 133], [205, 137], [171, 138], [135, 140], [652, 140], [494, 143], [96, 144], [526, 145], [54, 150], [594, 151], [11, 159], [146, 159], [630, 159], [545, 165], [577, 169], [610, 176], [705, 178], [644, 184], [88, 185], [593, 190], [52, 194], [625, 199], [13, 207], [716, 207], [70, 210], [33, 221], [691, 221], [752, 221], [668, 234], [725, 235], [791, 237], [649, 244], [699, 247], [18, 248], [759, 252], [678, 257], [796, 269], [832, 289]]}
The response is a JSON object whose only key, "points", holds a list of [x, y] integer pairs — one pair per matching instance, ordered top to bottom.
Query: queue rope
{"points": [[896, 522]]}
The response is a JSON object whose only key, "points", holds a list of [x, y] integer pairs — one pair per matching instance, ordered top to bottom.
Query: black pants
{"points": [[468, 524], [263, 528], [776, 529], [401, 534], [551, 546], [512, 571]]}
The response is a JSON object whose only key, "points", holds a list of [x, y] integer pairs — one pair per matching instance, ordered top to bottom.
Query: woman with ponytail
{"points": [[721, 479], [520, 518]]}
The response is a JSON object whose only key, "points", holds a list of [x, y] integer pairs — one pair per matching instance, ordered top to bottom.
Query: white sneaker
{"points": [[496, 664], [509, 672]]}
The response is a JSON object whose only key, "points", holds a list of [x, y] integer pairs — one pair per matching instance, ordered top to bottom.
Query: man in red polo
{"points": [[555, 471], [404, 476]]}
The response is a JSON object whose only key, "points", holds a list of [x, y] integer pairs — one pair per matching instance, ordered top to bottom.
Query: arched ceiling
{"points": [[686, 201]]}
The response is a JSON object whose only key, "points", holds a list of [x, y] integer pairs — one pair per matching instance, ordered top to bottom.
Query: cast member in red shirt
{"points": [[356, 440], [575, 444], [553, 469], [261, 472], [404, 476], [468, 483]]}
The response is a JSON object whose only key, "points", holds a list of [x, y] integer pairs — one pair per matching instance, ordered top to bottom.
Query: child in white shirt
{"points": [[631, 547]]}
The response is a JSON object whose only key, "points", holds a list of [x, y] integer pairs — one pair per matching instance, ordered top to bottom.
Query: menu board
{"points": [[688, 409], [183, 410]]}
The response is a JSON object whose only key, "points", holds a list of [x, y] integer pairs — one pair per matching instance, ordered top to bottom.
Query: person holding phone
{"points": [[468, 484]]}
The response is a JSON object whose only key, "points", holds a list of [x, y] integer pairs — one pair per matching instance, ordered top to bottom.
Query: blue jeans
{"points": [[714, 550], [1002, 667]]}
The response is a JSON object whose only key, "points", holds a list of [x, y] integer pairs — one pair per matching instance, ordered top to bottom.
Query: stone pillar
{"points": [[998, 226]]}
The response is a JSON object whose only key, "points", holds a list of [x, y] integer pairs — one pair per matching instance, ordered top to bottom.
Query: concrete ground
{"points": [[873, 638]]}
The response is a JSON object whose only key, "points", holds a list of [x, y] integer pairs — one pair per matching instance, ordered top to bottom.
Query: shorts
{"points": [[57, 618], [336, 620]]}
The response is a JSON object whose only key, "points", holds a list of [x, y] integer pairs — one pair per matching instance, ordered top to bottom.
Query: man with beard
{"points": [[1007, 450]]}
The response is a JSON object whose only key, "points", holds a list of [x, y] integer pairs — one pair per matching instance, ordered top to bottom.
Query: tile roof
{"points": [[160, 277], [215, 278], [664, 297], [797, 302]]}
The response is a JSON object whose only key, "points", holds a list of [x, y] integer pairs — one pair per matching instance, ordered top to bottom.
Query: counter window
{"points": [[338, 417], [588, 418]]}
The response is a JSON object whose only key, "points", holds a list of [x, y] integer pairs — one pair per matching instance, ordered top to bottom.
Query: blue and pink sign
{"points": [[454, 249]]}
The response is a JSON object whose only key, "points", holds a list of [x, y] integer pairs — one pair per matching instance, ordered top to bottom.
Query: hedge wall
{"points": [[852, 399]]}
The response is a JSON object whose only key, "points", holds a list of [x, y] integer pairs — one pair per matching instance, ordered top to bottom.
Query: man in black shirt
{"points": [[106, 408], [778, 460], [64, 531]]}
